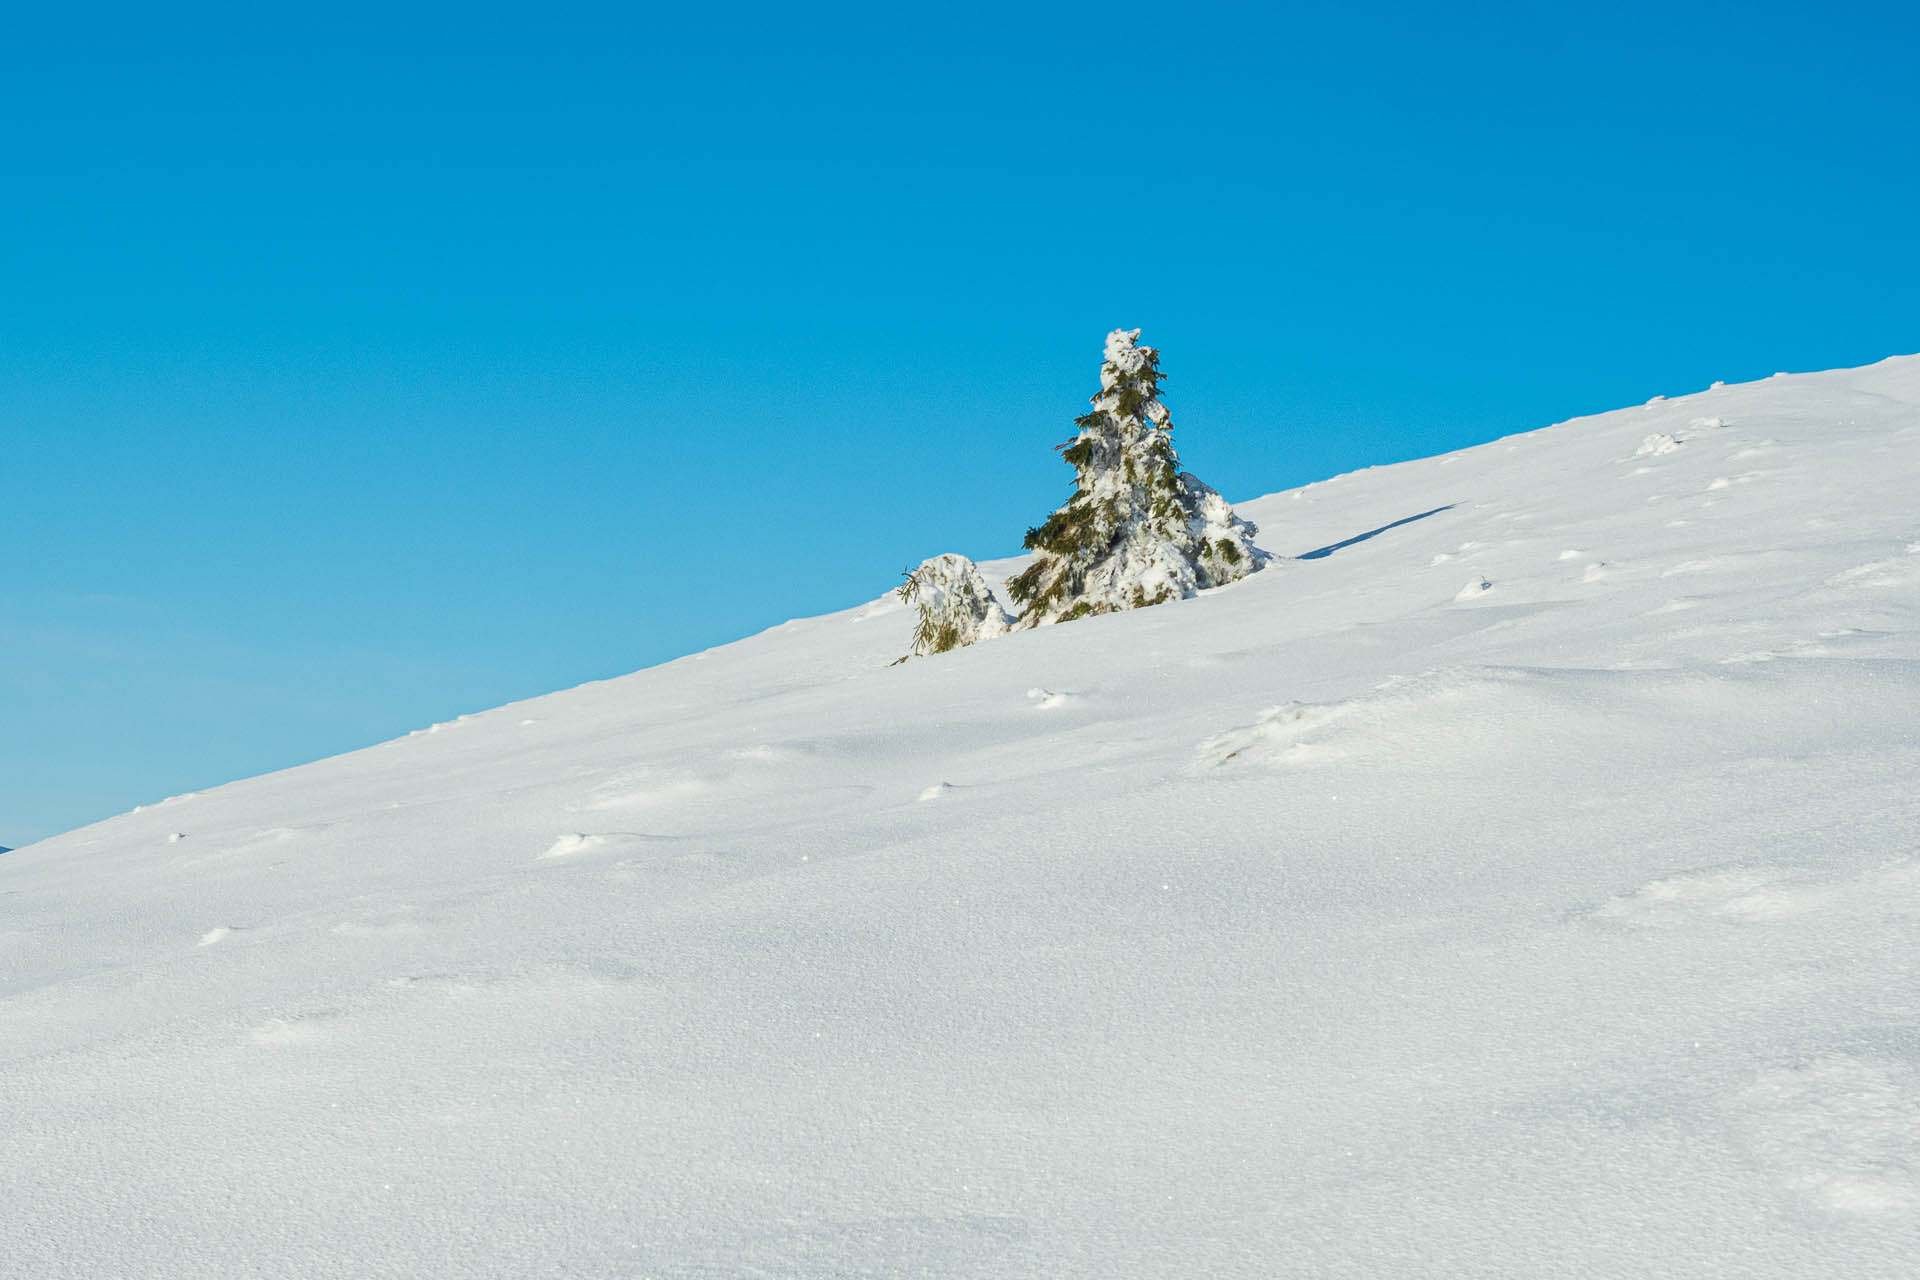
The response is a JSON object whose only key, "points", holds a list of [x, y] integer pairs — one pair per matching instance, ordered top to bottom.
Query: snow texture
{"points": [[1326, 926]]}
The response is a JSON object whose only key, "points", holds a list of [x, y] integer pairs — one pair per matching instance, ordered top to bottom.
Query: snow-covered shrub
{"points": [[1138, 531], [956, 606]]}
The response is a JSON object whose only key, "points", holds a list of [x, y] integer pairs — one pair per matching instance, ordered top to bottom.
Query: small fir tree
{"points": [[1138, 531], [956, 606]]}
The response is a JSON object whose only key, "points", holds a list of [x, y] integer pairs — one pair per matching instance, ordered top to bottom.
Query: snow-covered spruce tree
{"points": [[1137, 531], [956, 606]]}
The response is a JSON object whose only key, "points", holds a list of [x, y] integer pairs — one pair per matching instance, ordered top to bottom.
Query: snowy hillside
{"points": [[1523, 881]]}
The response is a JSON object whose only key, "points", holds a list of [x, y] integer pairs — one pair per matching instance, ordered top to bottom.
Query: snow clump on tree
{"points": [[1138, 531], [956, 606]]}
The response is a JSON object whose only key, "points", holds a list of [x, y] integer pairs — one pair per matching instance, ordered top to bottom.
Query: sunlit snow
{"points": [[1343, 921]]}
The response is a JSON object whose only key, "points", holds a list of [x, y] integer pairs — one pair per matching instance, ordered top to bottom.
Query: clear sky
{"points": [[369, 365]]}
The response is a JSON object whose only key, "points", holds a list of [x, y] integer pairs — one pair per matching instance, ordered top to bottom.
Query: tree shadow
{"points": [[1323, 552]]}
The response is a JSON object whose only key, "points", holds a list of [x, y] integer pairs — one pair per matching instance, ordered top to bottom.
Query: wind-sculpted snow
{"points": [[1336, 922]]}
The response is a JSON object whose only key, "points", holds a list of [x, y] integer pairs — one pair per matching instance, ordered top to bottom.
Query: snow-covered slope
{"points": [[1525, 881]]}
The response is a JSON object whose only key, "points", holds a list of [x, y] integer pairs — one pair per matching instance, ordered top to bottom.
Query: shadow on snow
{"points": [[1322, 553]]}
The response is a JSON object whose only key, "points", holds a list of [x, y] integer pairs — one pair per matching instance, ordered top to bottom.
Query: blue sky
{"points": [[367, 366]]}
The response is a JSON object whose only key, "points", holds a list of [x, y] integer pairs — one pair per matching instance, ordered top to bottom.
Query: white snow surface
{"points": [[1333, 923]]}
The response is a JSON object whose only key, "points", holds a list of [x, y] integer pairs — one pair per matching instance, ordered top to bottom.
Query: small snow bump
{"points": [[1716, 386], [1658, 443], [1720, 482], [1571, 553], [1891, 572], [1477, 587], [1047, 699], [937, 790], [175, 837], [577, 842], [1740, 895], [212, 936], [286, 1031], [1838, 1130]]}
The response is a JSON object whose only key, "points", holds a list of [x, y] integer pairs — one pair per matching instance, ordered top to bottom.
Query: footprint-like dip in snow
{"points": [[1841, 1131]]}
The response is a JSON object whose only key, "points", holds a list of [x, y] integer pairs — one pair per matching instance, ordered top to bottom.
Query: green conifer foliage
{"points": [[1137, 531], [954, 604]]}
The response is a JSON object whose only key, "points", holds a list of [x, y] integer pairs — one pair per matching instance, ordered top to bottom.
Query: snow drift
{"points": [[1338, 922]]}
